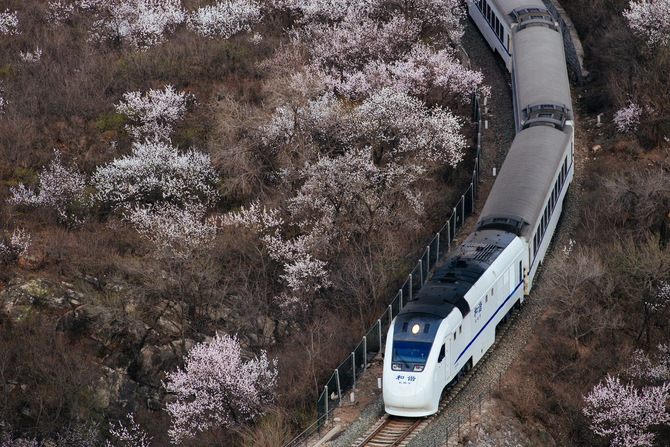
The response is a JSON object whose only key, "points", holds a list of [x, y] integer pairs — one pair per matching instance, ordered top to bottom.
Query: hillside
{"points": [[179, 172]]}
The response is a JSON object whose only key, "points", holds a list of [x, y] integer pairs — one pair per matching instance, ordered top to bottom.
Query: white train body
{"points": [[455, 314]]}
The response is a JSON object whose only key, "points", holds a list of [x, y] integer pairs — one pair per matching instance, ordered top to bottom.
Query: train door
{"points": [[443, 361]]}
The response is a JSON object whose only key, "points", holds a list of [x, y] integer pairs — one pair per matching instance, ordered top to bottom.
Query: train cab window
{"points": [[410, 351], [442, 354]]}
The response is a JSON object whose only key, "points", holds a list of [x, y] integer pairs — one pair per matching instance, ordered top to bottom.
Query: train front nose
{"points": [[404, 395]]}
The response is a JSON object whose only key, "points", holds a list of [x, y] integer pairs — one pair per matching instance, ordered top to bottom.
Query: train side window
{"points": [[481, 5], [520, 271], [491, 292], [486, 298], [460, 329], [454, 335], [442, 354]]}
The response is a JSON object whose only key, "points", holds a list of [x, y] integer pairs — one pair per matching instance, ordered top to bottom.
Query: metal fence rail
{"points": [[344, 377]]}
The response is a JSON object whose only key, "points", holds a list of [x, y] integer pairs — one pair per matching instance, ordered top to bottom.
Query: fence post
{"points": [[472, 196], [462, 209], [449, 235], [437, 249], [428, 260], [420, 271], [410, 287], [401, 303], [390, 315], [381, 348], [365, 351], [353, 367], [339, 389], [327, 397]]}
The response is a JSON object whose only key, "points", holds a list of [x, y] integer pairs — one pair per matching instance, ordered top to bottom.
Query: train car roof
{"points": [[507, 6], [540, 69], [527, 176], [447, 288]]}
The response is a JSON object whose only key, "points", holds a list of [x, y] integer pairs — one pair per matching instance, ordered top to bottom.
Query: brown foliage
{"points": [[46, 379]]}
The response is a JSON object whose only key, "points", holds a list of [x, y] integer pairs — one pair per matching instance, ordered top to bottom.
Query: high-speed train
{"points": [[450, 323]]}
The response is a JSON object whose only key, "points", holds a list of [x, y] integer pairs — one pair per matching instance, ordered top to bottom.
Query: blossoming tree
{"points": [[218, 388]]}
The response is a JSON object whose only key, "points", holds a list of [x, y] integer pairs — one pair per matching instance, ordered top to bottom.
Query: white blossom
{"points": [[59, 12], [224, 19], [650, 19], [9, 23], [139, 23], [31, 57], [157, 111], [628, 118], [406, 125], [156, 172], [59, 188], [351, 194], [254, 217], [175, 231], [17, 245], [657, 371], [216, 387], [624, 412], [131, 435]]}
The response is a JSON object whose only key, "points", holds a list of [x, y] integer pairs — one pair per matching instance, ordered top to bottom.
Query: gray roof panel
{"points": [[540, 70], [527, 175]]}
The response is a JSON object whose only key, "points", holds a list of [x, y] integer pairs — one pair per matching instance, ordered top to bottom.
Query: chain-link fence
{"points": [[344, 377]]}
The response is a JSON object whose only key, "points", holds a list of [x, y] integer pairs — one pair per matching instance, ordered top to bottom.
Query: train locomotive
{"points": [[450, 323]]}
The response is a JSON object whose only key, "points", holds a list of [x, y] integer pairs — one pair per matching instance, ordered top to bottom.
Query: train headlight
{"points": [[415, 329], [396, 366], [418, 368]]}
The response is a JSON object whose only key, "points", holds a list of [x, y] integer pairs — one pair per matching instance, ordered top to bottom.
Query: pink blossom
{"points": [[650, 19], [628, 118], [216, 387], [624, 412], [130, 435]]}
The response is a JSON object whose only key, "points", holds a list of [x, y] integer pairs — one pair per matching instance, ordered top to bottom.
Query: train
{"points": [[451, 322]]}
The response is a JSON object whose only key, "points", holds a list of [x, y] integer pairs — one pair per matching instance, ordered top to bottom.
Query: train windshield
{"points": [[410, 351]]}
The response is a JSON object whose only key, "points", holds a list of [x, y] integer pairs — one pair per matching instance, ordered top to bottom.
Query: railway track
{"points": [[393, 431]]}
